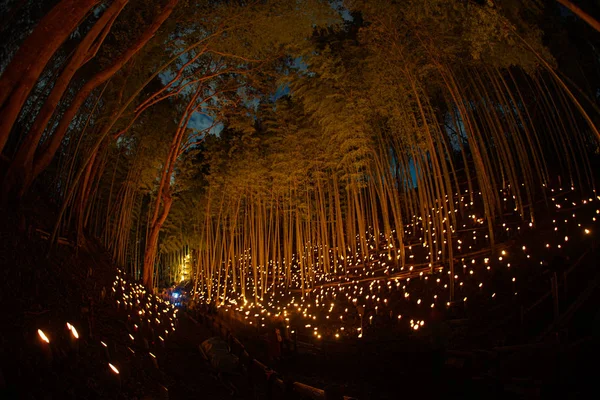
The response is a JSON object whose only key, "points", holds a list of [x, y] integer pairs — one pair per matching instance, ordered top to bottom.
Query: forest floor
{"points": [[41, 292], [46, 293], [410, 367]]}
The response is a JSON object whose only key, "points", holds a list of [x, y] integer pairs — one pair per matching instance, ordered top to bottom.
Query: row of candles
{"points": [[158, 316]]}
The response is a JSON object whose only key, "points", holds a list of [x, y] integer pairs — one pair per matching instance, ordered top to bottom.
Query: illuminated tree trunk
{"points": [[581, 14], [85, 51], [29, 62], [44, 155], [163, 195], [339, 223], [152, 244]]}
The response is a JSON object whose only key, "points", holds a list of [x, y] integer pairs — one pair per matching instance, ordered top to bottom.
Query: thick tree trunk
{"points": [[84, 52], [29, 62], [45, 154], [164, 192], [151, 246]]}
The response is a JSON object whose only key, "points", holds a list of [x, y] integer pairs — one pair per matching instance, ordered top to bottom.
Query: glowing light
{"points": [[74, 332], [43, 336], [113, 368]]}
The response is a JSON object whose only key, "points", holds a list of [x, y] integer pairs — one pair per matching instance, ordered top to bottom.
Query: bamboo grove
{"points": [[371, 144], [170, 147]]}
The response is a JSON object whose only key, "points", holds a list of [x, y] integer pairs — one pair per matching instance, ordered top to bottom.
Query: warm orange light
{"points": [[73, 330], [43, 336], [114, 369]]}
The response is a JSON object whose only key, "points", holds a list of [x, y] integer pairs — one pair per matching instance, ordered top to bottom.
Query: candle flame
{"points": [[73, 330], [43, 336]]}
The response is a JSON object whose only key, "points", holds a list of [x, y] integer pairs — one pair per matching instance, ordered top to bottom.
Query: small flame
{"points": [[73, 330], [43, 336], [115, 370]]}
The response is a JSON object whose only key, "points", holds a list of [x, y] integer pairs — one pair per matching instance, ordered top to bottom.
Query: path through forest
{"points": [[192, 376]]}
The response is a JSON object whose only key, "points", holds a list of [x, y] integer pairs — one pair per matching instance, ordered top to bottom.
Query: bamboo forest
{"points": [[299, 199]]}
